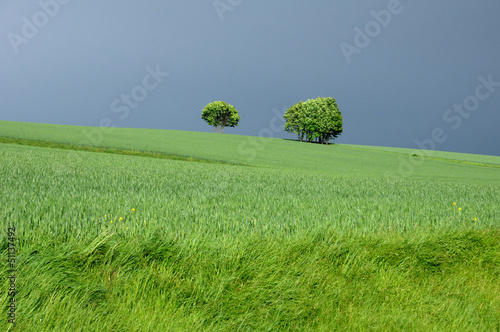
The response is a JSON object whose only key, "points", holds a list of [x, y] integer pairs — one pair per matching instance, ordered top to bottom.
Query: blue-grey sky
{"points": [[404, 73]]}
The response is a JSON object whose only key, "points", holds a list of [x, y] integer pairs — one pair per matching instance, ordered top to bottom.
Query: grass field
{"points": [[197, 231]]}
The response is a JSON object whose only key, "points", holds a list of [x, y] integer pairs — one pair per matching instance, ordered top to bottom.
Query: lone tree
{"points": [[220, 114], [316, 119]]}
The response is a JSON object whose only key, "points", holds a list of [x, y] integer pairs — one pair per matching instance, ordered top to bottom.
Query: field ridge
{"points": [[123, 151]]}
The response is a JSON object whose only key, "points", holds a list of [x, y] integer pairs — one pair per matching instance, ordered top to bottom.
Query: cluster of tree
{"points": [[220, 114], [315, 119]]}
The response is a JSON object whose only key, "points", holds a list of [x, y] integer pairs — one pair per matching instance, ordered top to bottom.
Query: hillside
{"points": [[341, 160], [301, 237]]}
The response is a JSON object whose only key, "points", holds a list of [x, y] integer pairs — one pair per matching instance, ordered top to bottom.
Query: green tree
{"points": [[220, 114], [311, 119], [316, 119], [294, 120], [329, 120]]}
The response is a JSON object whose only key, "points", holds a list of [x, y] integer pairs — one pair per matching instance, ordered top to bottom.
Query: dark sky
{"points": [[399, 70]]}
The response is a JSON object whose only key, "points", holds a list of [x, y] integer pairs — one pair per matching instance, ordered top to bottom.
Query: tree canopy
{"points": [[220, 114], [315, 119]]}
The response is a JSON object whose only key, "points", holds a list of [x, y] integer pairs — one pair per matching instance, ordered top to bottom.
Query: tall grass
{"points": [[50, 196]]}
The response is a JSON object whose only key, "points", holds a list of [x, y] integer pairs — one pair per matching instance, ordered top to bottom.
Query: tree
{"points": [[219, 113], [311, 119], [316, 119], [329, 119], [294, 121]]}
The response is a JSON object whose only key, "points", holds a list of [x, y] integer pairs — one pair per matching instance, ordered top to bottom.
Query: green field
{"points": [[155, 230]]}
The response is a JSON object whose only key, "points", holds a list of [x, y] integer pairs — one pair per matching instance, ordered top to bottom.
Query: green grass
{"points": [[342, 160], [310, 238]]}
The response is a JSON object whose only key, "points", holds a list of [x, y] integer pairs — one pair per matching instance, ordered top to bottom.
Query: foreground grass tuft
{"points": [[324, 281]]}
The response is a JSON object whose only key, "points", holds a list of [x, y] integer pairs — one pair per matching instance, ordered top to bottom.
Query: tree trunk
{"points": [[215, 129], [222, 129]]}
